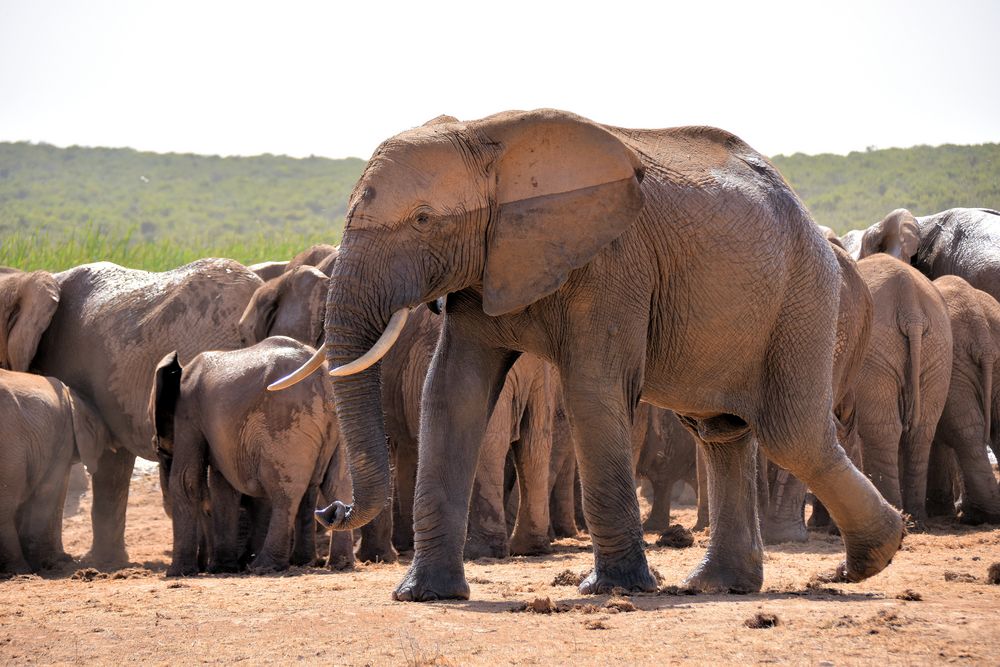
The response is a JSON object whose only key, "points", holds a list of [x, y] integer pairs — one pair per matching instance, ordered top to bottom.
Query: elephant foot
{"points": [[973, 516], [656, 524], [700, 525], [564, 529], [779, 533], [529, 545], [486, 546], [869, 552], [376, 553], [107, 559], [54, 560], [340, 562], [266, 565], [224, 567], [182, 570], [630, 574], [714, 575], [423, 584]]}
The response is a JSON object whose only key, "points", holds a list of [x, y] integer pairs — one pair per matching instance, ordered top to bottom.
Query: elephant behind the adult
{"points": [[676, 265], [110, 328], [665, 455]]}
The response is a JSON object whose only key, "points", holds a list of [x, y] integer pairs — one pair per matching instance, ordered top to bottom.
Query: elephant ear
{"points": [[565, 188], [897, 234], [831, 237], [311, 285], [35, 302], [258, 317], [163, 400], [90, 433]]}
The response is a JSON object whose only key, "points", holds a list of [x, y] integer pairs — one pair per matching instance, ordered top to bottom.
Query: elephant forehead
{"points": [[400, 180]]}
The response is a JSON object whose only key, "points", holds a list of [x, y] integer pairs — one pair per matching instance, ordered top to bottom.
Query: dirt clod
{"points": [[675, 536], [131, 573], [88, 574], [993, 574], [962, 577], [568, 578], [677, 590], [910, 595], [619, 604], [761, 620], [595, 625]]}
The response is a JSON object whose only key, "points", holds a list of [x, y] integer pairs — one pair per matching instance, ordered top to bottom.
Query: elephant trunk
{"points": [[349, 335]]}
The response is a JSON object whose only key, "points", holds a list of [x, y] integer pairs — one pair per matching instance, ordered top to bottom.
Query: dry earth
{"points": [[137, 615]]}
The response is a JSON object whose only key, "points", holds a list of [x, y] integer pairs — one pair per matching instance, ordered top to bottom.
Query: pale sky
{"points": [[335, 78]]}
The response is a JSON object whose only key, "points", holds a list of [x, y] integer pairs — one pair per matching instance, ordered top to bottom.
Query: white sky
{"points": [[335, 78]]}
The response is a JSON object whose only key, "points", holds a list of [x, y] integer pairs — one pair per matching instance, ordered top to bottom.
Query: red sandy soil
{"points": [[314, 616]]}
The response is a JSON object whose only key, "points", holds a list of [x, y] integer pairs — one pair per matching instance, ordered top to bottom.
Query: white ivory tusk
{"points": [[379, 349]]}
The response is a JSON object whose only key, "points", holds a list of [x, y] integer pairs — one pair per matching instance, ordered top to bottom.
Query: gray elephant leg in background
{"points": [[461, 389], [880, 428], [963, 435], [531, 459], [913, 472], [942, 475], [562, 479], [406, 482], [110, 484], [703, 500], [786, 509], [659, 513], [260, 517], [820, 517], [40, 521], [225, 524], [487, 532], [304, 538], [376, 539], [275, 554], [735, 558]]}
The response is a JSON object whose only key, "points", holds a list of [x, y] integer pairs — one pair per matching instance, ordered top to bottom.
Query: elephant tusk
{"points": [[379, 349], [300, 374]]}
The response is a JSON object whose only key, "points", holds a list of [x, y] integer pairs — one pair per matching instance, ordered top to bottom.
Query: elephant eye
{"points": [[422, 218]]}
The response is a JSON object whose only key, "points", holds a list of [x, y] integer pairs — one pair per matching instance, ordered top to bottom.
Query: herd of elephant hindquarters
{"points": [[527, 314]]}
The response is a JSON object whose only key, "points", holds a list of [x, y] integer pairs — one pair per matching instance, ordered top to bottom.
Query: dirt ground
{"points": [[310, 615]]}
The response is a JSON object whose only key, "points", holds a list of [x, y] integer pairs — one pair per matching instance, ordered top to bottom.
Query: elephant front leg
{"points": [[461, 388], [601, 430], [531, 460], [701, 472], [110, 485], [786, 509], [659, 513], [225, 524], [487, 534], [376, 539], [304, 540], [275, 554], [734, 561]]}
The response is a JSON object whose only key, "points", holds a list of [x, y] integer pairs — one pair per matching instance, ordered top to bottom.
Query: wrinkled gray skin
{"points": [[676, 264], [101, 329], [904, 380], [214, 415], [965, 426], [44, 427], [665, 454], [563, 479], [784, 516]]}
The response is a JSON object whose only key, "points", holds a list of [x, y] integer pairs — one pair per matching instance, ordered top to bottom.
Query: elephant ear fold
{"points": [[566, 188], [897, 234], [909, 234], [311, 286], [36, 302], [258, 317], [163, 400], [89, 432]]}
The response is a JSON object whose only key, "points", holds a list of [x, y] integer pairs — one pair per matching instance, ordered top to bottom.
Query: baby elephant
{"points": [[214, 414], [45, 428]]}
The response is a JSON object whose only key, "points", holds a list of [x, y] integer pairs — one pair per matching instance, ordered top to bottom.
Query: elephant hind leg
{"points": [[531, 460], [110, 485], [872, 530], [304, 539], [275, 554], [734, 561]]}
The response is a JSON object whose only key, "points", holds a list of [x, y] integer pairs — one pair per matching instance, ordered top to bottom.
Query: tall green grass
{"points": [[29, 252]]}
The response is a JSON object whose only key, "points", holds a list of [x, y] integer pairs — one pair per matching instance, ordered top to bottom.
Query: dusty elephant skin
{"points": [[673, 263], [101, 329], [904, 380], [214, 414], [965, 425], [45, 426], [665, 454], [784, 516]]}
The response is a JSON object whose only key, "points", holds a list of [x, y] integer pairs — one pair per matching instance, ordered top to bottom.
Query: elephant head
{"points": [[506, 207], [897, 234], [27, 303], [293, 305], [162, 405], [89, 432]]}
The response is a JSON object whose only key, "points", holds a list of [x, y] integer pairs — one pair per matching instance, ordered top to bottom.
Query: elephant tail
{"points": [[914, 334], [986, 365]]}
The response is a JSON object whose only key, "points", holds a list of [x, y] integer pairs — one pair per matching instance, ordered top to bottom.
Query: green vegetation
{"points": [[856, 190], [60, 207]]}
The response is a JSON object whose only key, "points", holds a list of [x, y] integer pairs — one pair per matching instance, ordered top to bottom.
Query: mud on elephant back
{"points": [[676, 265]]}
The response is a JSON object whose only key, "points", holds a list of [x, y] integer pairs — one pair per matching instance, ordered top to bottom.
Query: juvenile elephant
{"points": [[675, 264], [101, 329], [904, 380], [211, 414], [966, 425], [44, 427], [665, 455]]}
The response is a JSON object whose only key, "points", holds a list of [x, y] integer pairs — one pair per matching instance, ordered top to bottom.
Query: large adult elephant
{"points": [[960, 241], [673, 264], [101, 329], [904, 380], [966, 425]]}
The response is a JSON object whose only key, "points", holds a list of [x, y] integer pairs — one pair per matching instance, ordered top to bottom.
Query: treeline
{"points": [[64, 206]]}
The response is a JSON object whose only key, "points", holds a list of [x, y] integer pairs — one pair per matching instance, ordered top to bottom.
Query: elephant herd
{"points": [[528, 301]]}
